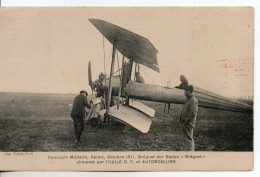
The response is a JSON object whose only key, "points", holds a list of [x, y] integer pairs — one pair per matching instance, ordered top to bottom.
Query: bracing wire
{"points": [[148, 76], [207, 87], [217, 91]]}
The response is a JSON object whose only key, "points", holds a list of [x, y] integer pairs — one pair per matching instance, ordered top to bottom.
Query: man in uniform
{"points": [[139, 78], [184, 82], [78, 113], [188, 116]]}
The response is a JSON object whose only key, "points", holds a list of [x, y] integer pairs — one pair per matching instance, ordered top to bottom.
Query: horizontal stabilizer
{"points": [[142, 107], [130, 117]]}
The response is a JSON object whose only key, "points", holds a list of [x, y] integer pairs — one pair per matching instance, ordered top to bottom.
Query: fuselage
{"points": [[157, 93]]}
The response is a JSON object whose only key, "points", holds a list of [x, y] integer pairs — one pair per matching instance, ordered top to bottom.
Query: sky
{"points": [[47, 50]]}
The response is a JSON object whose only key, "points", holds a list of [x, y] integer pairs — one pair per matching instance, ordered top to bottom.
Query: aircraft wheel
{"points": [[94, 122]]}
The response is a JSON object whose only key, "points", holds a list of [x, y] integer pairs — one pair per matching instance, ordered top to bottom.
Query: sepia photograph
{"points": [[126, 79]]}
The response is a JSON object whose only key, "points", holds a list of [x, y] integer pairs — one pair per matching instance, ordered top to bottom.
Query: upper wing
{"points": [[133, 46]]}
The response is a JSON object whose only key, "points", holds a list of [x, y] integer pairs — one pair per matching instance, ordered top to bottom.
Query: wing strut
{"points": [[129, 78], [110, 79], [121, 80]]}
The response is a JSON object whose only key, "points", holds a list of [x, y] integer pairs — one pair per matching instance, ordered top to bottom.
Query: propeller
{"points": [[89, 74]]}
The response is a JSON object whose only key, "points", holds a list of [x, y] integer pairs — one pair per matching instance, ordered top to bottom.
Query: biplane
{"points": [[120, 93]]}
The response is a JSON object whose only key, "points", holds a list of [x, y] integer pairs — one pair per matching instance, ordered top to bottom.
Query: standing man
{"points": [[78, 113], [188, 116]]}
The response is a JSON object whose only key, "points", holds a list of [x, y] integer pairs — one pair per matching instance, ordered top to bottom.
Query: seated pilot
{"points": [[139, 78], [184, 82]]}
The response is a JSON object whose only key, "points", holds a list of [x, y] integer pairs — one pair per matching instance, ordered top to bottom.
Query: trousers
{"points": [[78, 126], [188, 130]]}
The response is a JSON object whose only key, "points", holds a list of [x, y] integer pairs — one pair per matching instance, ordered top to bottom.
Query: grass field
{"points": [[41, 122]]}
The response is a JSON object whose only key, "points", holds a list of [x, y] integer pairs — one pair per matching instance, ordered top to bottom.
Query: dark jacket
{"points": [[139, 79], [183, 85], [79, 104], [190, 111]]}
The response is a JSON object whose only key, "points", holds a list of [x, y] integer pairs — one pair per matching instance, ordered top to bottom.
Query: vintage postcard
{"points": [[126, 88]]}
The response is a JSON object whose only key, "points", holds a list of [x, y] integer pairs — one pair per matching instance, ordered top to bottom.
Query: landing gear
{"points": [[165, 108], [107, 118], [95, 122]]}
